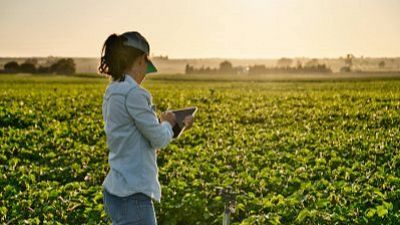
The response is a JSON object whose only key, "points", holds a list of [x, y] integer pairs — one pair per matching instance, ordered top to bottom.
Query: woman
{"points": [[133, 131]]}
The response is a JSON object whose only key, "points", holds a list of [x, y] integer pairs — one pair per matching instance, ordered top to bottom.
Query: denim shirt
{"points": [[133, 134]]}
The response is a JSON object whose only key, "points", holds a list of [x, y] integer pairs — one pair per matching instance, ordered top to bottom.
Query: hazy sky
{"points": [[204, 28]]}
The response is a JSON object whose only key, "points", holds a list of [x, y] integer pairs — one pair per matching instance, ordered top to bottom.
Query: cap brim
{"points": [[150, 67]]}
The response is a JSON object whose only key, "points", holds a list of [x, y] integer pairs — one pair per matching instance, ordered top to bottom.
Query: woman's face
{"points": [[142, 65], [139, 68]]}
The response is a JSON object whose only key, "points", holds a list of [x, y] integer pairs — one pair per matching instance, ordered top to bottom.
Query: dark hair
{"points": [[116, 57]]}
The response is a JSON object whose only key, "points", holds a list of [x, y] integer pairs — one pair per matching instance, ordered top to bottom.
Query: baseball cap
{"points": [[136, 40]]}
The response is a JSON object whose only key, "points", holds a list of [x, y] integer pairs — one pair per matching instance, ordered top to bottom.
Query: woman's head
{"points": [[126, 53]]}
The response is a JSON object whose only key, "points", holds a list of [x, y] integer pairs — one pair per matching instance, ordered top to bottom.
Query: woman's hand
{"points": [[169, 117], [188, 121]]}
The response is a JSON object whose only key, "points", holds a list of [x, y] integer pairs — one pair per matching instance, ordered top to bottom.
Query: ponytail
{"points": [[116, 57]]}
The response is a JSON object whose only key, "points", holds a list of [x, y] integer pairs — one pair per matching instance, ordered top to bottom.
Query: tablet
{"points": [[180, 115]]}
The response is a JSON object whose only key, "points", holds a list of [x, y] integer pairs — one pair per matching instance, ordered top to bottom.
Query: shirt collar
{"points": [[130, 80]]}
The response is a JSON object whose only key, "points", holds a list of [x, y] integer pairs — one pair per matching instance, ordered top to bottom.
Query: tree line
{"points": [[284, 65], [61, 66]]}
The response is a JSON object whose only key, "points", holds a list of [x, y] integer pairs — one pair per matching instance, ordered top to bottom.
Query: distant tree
{"points": [[50, 60], [32, 61], [348, 61], [284, 62], [312, 63], [382, 64], [63, 66], [11, 67], [225, 67], [27, 68], [189, 69], [257, 69]]}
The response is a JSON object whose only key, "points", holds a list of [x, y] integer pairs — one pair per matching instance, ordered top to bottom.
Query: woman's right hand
{"points": [[169, 117]]}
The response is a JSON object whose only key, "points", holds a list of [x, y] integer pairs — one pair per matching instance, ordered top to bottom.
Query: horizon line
{"points": [[220, 58]]}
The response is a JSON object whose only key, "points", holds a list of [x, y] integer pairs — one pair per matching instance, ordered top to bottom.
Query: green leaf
{"points": [[382, 211], [371, 212], [302, 215]]}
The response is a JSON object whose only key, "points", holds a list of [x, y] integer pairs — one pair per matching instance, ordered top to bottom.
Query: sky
{"points": [[203, 29]]}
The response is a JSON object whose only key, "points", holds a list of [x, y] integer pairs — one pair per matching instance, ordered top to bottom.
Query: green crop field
{"points": [[294, 151]]}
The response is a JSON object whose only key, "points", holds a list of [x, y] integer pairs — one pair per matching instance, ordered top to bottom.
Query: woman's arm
{"points": [[158, 134]]}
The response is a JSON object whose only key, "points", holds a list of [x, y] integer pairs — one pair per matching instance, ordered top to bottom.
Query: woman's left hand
{"points": [[188, 121]]}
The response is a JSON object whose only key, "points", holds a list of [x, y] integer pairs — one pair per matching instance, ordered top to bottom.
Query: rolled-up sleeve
{"points": [[158, 134]]}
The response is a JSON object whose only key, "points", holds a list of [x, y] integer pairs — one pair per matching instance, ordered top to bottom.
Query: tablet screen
{"points": [[180, 115]]}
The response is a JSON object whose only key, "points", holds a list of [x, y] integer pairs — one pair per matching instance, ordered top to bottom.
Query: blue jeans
{"points": [[135, 209]]}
